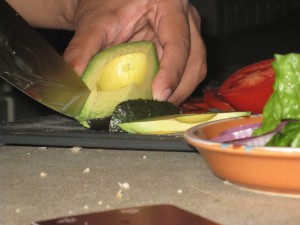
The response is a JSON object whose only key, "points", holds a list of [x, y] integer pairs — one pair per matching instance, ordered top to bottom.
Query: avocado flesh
{"points": [[127, 69], [116, 75], [137, 109], [175, 123]]}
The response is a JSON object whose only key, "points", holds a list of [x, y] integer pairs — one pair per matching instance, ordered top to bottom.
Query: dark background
{"points": [[236, 33]]}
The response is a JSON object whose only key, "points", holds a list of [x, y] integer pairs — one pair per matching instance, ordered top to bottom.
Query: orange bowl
{"points": [[272, 169]]}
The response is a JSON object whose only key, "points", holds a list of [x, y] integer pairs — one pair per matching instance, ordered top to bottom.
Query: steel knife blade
{"points": [[30, 64]]}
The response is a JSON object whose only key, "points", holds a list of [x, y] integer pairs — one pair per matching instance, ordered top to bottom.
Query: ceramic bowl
{"points": [[271, 169]]}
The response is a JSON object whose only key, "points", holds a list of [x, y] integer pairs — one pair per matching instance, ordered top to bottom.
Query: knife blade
{"points": [[30, 64]]}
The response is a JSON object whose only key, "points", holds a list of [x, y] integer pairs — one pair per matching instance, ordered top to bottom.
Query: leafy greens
{"points": [[284, 103]]}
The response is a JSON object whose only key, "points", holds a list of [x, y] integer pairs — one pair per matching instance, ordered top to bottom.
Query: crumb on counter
{"points": [[42, 148], [75, 149], [87, 170], [43, 174], [227, 182], [124, 185], [179, 191], [119, 194]]}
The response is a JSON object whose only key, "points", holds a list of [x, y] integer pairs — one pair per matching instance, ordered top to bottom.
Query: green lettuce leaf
{"points": [[284, 103], [287, 137]]}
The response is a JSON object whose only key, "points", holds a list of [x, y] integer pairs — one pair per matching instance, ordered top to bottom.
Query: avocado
{"points": [[117, 74], [140, 109], [132, 110], [175, 123]]}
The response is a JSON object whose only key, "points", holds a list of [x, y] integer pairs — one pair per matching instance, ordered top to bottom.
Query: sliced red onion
{"points": [[243, 131], [242, 135], [254, 141]]}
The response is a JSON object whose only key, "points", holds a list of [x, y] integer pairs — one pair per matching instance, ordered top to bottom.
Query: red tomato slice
{"points": [[249, 88], [211, 100], [216, 101], [194, 105]]}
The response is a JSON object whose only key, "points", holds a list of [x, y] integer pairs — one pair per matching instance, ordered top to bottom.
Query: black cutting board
{"points": [[61, 131]]}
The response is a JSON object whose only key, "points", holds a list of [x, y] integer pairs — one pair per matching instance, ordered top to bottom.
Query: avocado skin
{"points": [[137, 109], [132, 110], [100, 124]]}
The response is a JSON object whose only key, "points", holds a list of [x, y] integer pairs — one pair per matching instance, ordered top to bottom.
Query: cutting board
{"points": [[61, 131]]}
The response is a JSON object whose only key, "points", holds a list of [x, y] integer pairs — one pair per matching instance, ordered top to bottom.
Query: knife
{"points": [[30, 64]]}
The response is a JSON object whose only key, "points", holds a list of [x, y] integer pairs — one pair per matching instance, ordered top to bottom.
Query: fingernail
{"points": [[165, 95]]}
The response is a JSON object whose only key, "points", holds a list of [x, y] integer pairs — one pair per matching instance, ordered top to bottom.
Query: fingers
{"points": [[93, 22], [99, 25], [171, 25], [88, 39], [78, 55], [183, 66], [196, 67]]}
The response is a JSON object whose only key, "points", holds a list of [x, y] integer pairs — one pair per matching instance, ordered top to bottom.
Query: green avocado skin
{"points": [[284, 103], [133, 110]]}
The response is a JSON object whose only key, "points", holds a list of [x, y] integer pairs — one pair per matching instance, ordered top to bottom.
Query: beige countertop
{"points": [[44, 183]]}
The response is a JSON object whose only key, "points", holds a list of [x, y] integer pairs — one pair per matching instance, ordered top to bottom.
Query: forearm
{"points": [[56, 14]]}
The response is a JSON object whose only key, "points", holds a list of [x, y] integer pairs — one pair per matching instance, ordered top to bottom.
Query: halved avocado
{"points": [[117, 74], [175, 123]]}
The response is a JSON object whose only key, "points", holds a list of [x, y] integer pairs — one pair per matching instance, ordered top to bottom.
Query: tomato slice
{"points": [[249, 88], [211, 100], [214, 100], [194, 105]]}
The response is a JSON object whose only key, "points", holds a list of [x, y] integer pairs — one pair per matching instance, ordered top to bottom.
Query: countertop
{"points": [[40, 183]]}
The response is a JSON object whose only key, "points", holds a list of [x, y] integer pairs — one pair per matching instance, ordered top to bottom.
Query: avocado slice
{"points": [[117, 74], [132, 110], [175, 123]]}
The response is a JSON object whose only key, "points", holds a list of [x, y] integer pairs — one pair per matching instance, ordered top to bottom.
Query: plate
{"points": [[271, 169]]}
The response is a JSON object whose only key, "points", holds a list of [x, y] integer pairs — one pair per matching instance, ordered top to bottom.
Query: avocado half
{"points": [[118, 74]]}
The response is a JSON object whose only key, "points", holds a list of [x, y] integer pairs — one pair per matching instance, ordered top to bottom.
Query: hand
{"points": [[173, 25]]}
